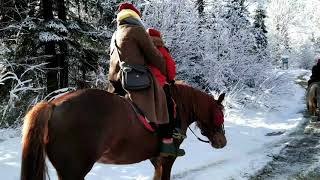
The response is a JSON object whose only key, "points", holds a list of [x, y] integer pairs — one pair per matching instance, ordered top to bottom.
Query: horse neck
{"points": [[192, 104]]}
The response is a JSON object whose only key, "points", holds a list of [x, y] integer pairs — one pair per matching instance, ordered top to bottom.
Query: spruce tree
{"points": [[200, 7], [260, 29], [70, 36]]}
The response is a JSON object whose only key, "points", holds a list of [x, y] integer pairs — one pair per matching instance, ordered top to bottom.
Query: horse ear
{"points": [[221, 98]]}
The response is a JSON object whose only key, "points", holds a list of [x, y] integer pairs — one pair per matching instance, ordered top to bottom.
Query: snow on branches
{"points": [[49, 36]]}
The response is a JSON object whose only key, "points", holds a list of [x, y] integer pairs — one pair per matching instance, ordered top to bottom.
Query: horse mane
{"points": [[189, 93], [189, 97]]}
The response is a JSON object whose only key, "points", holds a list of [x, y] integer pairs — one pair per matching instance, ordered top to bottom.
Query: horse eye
{"points": [[203, 133]]}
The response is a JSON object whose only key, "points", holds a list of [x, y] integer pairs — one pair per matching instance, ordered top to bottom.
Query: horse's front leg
{"points": [[156, 162], [167, 164]]}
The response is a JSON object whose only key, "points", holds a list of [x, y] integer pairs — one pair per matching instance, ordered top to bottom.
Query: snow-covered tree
{"points": [[200, 4], [281, 16], [178, 22], [260, 29], [71, 41], [230, 53]]}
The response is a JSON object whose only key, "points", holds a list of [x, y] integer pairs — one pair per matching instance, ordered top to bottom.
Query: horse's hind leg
{"points": [[70, 164], [73, 171], [70, 178]]}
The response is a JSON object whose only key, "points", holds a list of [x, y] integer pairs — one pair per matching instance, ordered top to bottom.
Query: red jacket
{"points": [[171, 68]]}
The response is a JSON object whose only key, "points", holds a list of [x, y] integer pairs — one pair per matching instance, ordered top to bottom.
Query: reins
{"points": [[198, 136]]}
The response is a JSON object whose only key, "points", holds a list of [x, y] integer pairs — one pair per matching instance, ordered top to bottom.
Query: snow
{"points": [[74, 25], [58, 26], [48, 36], [247, 151]]}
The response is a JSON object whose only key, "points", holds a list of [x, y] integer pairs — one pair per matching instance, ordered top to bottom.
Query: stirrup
{"points": [[178, 135]]}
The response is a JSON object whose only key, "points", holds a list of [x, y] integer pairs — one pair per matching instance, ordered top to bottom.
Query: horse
{"points": [[313, 98], [87, 126]]}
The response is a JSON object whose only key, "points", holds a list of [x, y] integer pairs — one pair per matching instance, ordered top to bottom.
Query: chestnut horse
{"points": [[313, 98], [86, 126]]}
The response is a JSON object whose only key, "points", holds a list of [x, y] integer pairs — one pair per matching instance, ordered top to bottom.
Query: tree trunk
{"points": [[200, 7], [63, 64], [52, 66], [52, 73]]}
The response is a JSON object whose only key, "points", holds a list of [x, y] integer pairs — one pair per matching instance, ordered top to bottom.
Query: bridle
{"points": [[204, 133], [205, 141]]}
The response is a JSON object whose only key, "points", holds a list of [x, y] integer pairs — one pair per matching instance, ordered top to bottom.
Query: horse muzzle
{"points": [[219, 140]]}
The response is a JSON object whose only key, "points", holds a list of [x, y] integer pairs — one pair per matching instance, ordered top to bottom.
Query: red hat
{"points": [[129, 6], [154, 32]]}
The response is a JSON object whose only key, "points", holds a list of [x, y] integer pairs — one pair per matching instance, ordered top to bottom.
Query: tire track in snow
{"points": [[190, 172]]}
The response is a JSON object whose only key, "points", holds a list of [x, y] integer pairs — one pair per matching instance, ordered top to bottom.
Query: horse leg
{"points": [[317, 97], [70, 164], [167, 164], [157, 168], [73, 172], [71, 178]]}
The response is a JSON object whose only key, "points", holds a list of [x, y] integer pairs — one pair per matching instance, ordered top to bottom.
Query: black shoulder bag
{"points": [[134, 77]]}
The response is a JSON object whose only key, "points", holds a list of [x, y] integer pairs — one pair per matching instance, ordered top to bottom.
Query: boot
{"points": [[176, 134], [168, 147]]}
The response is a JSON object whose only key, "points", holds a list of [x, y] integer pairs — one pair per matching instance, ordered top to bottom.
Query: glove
{"points": [[171, 82]]}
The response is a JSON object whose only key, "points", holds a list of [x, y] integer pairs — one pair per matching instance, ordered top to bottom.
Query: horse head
{"points": [[197, 106], [212, 125]]}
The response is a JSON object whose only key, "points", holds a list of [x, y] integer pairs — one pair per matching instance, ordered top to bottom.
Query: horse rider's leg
{"points": [[161, 106], [167, 147], [167, 164], [157, 168]]}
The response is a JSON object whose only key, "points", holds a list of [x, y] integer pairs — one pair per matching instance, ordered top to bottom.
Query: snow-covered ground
{"points": [[245, 153]]}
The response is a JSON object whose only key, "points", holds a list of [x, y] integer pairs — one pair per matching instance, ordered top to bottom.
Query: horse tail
{"points": [[34, 140]]}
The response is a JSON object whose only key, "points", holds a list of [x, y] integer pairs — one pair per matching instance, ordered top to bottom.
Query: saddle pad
{"points": [[143, 119], [145, 122]]}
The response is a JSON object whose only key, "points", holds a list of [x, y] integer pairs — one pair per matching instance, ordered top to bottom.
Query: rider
{"points": [[132, 45], [171, 65], [315, 76], [165, 80]]}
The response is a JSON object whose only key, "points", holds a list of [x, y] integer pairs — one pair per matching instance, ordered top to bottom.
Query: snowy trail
{"points": [[299, 159]]}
